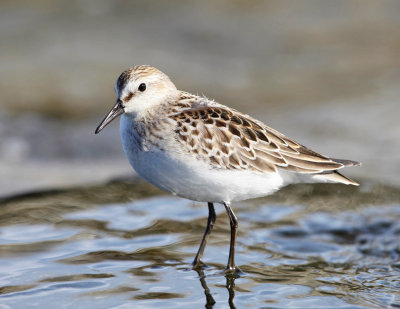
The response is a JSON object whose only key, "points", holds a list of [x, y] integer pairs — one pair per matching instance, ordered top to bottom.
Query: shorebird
{"points": [[204, 151]]}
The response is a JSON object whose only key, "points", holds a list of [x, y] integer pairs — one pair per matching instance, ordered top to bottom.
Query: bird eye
{"points": [[142, 87]]}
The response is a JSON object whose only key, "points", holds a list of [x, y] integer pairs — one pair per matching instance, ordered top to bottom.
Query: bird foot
{"points": [[198, 264], [233, 271]]}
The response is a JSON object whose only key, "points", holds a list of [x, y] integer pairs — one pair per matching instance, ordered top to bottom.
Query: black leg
{"points": [[210, 223], [234, 225]]}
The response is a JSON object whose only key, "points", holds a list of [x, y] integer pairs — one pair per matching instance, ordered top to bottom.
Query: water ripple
{"points": [[293, 252]]}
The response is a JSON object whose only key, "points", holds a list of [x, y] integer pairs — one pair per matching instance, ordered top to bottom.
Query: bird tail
{"points": [[335, 176]]}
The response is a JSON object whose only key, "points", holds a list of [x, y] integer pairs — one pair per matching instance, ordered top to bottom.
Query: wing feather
{"points": [[228, 139]]}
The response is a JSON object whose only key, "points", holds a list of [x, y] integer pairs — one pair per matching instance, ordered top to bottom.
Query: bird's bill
{"points": [[117, 110]]}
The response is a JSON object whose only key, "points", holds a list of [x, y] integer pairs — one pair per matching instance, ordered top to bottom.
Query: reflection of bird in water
{"points": [[196, 148], [210, 301]]}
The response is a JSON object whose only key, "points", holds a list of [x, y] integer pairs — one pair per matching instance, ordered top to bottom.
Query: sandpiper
{"points": [[204, 151]]}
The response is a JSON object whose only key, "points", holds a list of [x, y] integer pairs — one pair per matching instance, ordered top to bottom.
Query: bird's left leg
{"points": [[234, 225]]}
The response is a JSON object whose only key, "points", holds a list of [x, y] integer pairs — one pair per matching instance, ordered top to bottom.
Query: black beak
{"points": [[117, 110]]}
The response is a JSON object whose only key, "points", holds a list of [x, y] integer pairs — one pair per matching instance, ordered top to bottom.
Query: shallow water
{"points": [[127, 245]]}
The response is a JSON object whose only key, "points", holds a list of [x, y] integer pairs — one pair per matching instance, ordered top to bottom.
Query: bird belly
{"points": [[180, 173], [195, 180]]}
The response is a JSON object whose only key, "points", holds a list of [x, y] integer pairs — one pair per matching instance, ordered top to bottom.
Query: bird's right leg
{"points": [[210, 223]]}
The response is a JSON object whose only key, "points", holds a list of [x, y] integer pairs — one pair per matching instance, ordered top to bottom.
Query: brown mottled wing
{"points": [[230, 140]]}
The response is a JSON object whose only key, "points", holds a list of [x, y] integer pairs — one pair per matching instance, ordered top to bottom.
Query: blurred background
{"points": [[325, 73]]}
